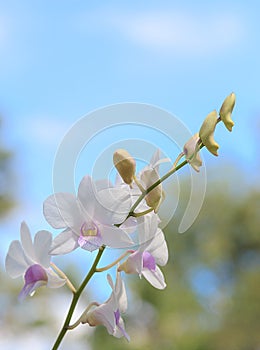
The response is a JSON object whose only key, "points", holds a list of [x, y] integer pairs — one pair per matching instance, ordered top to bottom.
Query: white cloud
{"points": [[174, 31]]}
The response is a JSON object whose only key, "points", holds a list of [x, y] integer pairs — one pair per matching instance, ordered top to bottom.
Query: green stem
{"points": [[105, 268], [76, 298]]}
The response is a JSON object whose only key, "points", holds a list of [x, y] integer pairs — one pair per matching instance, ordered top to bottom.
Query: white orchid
{"points": [[191, 152], [146, 178], [89, 218], [152, 252], [32, 260], [109, 313]]}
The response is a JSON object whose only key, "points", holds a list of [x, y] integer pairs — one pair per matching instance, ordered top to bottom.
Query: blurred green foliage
{"points": [[6, 199]]}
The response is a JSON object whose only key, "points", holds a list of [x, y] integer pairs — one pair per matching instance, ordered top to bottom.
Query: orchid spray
{"points": [[122, 215]]}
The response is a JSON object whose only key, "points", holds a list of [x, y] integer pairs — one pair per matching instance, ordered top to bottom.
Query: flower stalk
{"points": [[63, 275], [75, 299]]}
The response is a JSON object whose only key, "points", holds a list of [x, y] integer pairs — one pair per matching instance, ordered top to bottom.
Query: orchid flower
{"points": [[191, 152], [147, 177], [89, 218], [152, 251], [31, 259], [109, 313]]}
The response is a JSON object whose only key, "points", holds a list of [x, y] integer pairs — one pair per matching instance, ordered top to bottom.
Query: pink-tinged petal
{"points": [[191, 151], [62, 210], [90, 237], [114, 237], [26, 241], [64, 243], [90, 243], [42, 245], [158, 248], [148, 261], [15, 262], [133, 264], [35, 276], [155, 278], [54, 281], [29, 289], [103, 315], [120, 331]]}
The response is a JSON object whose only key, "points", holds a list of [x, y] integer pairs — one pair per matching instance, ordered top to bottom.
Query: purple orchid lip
{"points": [[90, 237], [149, 261], [35, 276], [117, 319]]}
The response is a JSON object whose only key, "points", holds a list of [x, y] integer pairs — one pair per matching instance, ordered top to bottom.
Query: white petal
{"points": [[155, 158], [156, 161], [149, 177], [102, 184], [87, 195], [106, 205], [114, 205], [61, 210], [130, 225], [147, 228], [114, 237], [26, 241], [64, 243], [42, 245], [158, 248], [15, 262], [133, 264], [155, 278], [54, 281], [110, 281], [121, 293], [104, 314], [120, 330]]}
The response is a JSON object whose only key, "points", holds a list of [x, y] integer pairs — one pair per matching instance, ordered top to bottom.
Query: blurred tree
{"points": [[6, 200], [212, 299]]}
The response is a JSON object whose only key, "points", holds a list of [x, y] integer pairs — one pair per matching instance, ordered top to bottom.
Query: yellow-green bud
{"points": [[226, 111], [206, 132], [125, 165], [154, 198]]}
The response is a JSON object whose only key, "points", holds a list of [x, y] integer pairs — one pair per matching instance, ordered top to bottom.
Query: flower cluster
{"points": [[122, 215]]}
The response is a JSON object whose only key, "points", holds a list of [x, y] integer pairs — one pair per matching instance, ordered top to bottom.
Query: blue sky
{"points": [[61, 60]]}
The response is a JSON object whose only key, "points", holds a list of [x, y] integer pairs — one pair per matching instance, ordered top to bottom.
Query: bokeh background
{"points": [[59, 61]]}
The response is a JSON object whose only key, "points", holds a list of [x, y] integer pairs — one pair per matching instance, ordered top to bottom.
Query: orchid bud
{"points": [[226, 111], [206, 132], [191, 151], [125, 165], [154, 198]]}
